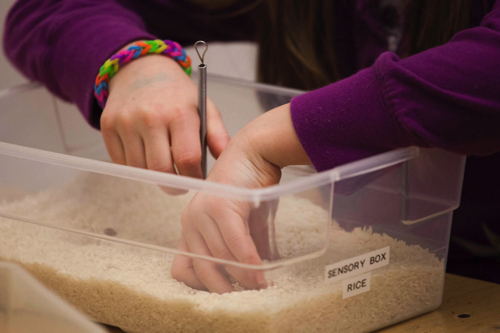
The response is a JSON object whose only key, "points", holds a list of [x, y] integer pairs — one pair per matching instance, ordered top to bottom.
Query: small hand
{"points": [[151, 119], [231, 229]]}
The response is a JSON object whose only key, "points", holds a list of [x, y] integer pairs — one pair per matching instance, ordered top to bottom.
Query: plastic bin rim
{"points": [[345, 171]]}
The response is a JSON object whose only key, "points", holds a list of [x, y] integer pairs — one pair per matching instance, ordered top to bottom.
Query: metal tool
{"points": [[202, 106]]}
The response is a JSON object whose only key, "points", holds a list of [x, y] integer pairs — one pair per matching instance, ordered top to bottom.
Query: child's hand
{"points": [[151, 118], [231, 229]]}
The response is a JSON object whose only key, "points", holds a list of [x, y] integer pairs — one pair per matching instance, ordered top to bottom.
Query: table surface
{"points": [[469, 305]]}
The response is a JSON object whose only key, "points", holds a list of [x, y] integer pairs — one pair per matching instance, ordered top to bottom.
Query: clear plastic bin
{"points": [[352, 249], [26, 306]]}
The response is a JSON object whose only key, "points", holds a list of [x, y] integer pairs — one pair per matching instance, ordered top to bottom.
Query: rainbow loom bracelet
{"points": [[112, 65]]}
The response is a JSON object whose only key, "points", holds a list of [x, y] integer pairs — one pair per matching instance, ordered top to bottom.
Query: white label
{"points": [[357, 265], [356, 285]]}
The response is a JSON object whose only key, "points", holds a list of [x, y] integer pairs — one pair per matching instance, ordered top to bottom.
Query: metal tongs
{"points": [[202, 105]]}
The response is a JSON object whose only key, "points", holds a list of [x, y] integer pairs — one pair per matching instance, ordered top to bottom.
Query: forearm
{"points": [[63, 43], [446, 97], [272, 136]]}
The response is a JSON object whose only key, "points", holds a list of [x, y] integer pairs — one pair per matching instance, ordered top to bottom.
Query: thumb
{"points": [[217, 135]]}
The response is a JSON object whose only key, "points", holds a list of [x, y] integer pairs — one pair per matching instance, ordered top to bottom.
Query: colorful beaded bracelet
{"points": [[112, 65]]}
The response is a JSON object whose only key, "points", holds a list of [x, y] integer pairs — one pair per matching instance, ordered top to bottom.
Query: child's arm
{"points": [[64, 43], [446, 97], [152, 103], [217, 227]]}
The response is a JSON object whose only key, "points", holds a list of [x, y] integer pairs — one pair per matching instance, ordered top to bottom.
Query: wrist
{"points": [[138, 49], [147, 70], [272, 136], [255, 155], [240, 164]]}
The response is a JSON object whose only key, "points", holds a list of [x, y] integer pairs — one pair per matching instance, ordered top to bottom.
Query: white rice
{"points": [[131, 288]]}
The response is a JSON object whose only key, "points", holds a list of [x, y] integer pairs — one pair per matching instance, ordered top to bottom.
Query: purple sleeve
{"points": [[446, 97]]}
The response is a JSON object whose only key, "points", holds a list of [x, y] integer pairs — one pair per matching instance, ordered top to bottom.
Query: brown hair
{"points": [[432, 23], [298, 39], [296, 44]]}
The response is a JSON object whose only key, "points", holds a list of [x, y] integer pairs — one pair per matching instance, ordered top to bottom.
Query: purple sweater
{"points": [[446, 97]]}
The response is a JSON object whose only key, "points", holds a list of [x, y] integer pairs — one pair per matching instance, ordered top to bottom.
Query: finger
{"points": [[217, 135], [133, 143], [114, 146], [186, 147], [157, 148], [134, 150], [158, 154], [259, 230], [262, 231], [237, 237], [218, 248], [183, 269], [208, 273]]}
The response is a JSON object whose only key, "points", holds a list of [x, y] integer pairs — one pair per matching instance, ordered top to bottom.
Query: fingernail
{"points": [[261, 281], [262, 284]]}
